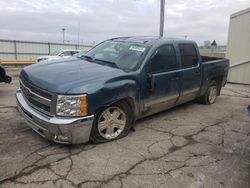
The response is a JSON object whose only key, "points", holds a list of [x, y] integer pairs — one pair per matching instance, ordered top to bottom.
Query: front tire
{"points": [[112, 122]]}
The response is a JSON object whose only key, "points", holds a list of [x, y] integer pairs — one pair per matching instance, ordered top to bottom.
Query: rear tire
{"points": [[211, 94], [112, 122]]}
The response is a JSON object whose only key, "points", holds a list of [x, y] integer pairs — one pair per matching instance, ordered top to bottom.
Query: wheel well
{"points": [[218, 81], [127, 100], [130, 102]]}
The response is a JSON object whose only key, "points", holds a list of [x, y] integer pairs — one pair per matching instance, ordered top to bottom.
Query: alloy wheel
{"points": [[111, 122]]}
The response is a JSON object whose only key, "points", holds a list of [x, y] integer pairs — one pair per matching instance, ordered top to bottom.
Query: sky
{"points": [[98, 20]]}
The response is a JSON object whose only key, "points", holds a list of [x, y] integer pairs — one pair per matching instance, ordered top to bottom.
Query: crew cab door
{"points": [[162, 80], [190, 81]]}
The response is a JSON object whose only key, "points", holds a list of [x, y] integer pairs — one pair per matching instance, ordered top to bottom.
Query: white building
{"points": [[238, 47]]}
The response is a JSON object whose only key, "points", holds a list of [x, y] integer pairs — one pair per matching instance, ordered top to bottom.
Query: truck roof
{"points": [[149, 39]]}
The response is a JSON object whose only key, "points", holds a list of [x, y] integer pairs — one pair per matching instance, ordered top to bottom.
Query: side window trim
{"points": [[190, 68], [177, 70]]}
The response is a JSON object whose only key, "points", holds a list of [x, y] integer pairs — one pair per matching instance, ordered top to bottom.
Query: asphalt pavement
{"points": [[189, 146]]}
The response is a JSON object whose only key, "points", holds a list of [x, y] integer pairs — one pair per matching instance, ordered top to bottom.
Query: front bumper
{"points": [[57, 129]]}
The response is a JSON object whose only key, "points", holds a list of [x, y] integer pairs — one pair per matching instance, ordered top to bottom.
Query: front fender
{"points": [[113, 92]]}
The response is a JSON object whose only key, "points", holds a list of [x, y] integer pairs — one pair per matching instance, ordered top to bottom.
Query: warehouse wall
{"points": [[238, 48], [26, 50], [240, 74]]}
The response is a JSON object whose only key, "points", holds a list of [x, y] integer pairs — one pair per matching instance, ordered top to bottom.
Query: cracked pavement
{"points": [[189, 146]]}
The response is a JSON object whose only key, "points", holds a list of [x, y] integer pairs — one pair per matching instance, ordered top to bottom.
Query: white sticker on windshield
{"points": [[137, 48]]}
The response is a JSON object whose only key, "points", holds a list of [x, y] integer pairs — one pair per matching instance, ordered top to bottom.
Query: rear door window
{"points": [[189, 57]]}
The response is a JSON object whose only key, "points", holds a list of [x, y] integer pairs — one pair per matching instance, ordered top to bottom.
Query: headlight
{"points": [[70, 105]]}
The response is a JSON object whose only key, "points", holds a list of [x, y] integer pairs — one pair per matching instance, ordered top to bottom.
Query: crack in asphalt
{"points": [[244, 96], [129, 149], [36, 151], [70, 154], [36, 168], [127, 172]]}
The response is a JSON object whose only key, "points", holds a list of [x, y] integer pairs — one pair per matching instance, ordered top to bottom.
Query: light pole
{"points": [[162, 10], [63, 32], [78, 35]]}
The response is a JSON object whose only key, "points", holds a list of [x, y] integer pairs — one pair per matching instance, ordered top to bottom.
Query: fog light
{"points": [[61, 138]]}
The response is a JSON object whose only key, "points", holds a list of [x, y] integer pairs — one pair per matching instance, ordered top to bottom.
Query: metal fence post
{"points": [[49, 48], [15, 49]]}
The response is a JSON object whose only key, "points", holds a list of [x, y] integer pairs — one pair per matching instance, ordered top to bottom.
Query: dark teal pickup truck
{"points": [[99, 95]]}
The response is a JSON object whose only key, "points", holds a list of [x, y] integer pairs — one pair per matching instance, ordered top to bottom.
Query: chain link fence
{"points": [[29, 50]]}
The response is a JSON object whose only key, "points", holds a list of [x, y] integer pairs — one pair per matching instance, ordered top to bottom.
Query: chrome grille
{"points": [[36, 90], [36, 97]]}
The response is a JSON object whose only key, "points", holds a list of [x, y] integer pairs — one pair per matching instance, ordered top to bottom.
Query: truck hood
{"points": [[47, 56], [64, 76]]}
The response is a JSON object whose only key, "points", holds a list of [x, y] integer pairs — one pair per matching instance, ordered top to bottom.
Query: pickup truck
{"points": [[57, 55], [3, 77], [100, 95]]}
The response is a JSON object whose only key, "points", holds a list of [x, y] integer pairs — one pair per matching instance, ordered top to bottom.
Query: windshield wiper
{"points": [[87, 57], [103, 61], [107, 62]]}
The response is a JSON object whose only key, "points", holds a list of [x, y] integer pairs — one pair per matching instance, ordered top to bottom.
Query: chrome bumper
{"points": [[57, 129]]}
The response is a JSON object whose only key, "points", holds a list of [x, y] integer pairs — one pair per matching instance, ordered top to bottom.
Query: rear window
{"points": [[189, 57]]}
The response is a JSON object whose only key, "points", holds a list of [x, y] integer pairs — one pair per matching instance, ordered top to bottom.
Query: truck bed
{"points": [[205, 59], [213, 68]]}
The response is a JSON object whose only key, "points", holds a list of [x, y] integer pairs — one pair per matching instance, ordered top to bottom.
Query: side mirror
{"points": [[150, 81]]}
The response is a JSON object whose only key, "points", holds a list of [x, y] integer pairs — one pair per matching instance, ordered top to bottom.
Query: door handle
{"points": [[197, 72], [175, 78]]}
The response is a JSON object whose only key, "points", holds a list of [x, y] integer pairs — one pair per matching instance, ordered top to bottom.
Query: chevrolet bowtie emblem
{"points": [[26, 91]]}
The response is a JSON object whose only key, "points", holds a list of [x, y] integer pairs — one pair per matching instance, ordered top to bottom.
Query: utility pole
{"points": [[162, 10], [63, 32], [78, 35]]}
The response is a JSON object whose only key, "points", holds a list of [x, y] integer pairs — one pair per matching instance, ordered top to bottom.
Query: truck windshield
{"points": [[123, 55]]}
